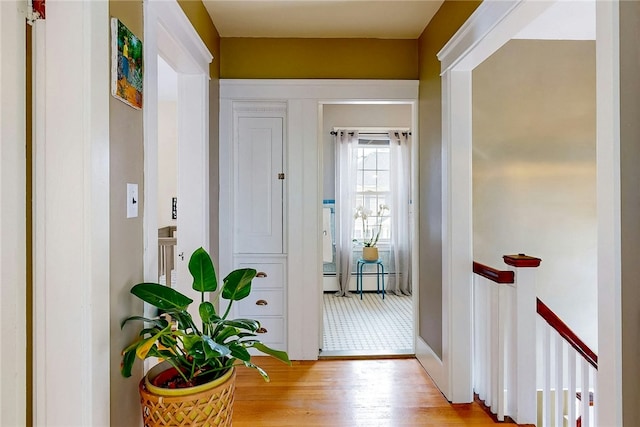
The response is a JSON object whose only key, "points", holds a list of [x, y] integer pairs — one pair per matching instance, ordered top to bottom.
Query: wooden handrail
{"points": [[493, 274], [565, 332]]}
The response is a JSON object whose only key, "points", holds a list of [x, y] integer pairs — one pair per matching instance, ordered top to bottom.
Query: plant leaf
{"points": [[201, 268], [237, 285], [161, 296], [207, 312], [161, 323], [245, 324], [226, 332], [145, 346], [219, 349], [239, 352], [278, 354], [128, 357], [259, 369]]}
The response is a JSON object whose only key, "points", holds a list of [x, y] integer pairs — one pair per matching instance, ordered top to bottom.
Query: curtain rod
{"points": [[333, 132]]}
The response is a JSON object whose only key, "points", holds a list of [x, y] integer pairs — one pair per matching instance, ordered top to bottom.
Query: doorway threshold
{"points": [[366, 354]]}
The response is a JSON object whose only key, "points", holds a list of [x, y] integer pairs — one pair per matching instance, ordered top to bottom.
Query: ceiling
{"points": [[397, 19]]}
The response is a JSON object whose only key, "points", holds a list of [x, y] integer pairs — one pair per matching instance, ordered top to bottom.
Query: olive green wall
{"points": [[450, 16], [283, 58], [127, 166], [630, 207], [126, 238]]}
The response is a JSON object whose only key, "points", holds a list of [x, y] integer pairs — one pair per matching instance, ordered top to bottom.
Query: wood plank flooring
{"points": [[347, 393]]}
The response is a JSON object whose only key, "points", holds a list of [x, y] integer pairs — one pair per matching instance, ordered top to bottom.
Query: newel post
{"points": [[525, 309]]}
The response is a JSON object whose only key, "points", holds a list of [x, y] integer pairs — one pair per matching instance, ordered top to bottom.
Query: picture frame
{"points": [[126, 65]]}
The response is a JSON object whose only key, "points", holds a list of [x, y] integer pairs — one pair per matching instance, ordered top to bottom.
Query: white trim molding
{"points": [[492, 25], [176, 39], [348, 91], [71, 214], [13, 336], [609, 378]]}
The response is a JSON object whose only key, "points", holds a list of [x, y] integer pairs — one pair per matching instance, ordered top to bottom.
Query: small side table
{"points": [[379, 267]]}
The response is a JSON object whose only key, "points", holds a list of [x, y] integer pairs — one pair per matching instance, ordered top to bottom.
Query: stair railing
{"points": [[563, 351], [504, 352]]}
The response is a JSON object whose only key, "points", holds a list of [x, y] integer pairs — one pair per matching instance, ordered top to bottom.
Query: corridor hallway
{"points": [[347, 393]]}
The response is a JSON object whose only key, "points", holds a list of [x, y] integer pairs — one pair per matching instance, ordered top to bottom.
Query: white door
{"points": [[259, 185]]}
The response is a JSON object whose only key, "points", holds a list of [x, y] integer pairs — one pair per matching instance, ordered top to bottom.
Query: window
{"points": [[372, 188]]}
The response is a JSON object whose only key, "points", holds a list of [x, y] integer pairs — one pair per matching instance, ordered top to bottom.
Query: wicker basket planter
{"points": [[370, 253], [207, 405]]}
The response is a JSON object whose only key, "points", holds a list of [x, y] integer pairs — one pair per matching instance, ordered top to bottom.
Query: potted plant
{"points": [[369, 249], [195, 383]]}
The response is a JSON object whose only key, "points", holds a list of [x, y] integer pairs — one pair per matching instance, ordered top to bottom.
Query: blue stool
{"points": [[359, 264]]}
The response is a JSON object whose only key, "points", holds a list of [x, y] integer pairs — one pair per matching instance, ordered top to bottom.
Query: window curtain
{"points": [[346, 142], [400, 182]]}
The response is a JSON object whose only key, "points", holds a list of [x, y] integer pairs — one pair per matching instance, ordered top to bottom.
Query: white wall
{"points": [[167, 160], [534, 170]]}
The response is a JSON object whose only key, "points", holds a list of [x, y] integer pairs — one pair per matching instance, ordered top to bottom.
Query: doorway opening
{"points": [[170, 35], [167, 173], [367, 304]]}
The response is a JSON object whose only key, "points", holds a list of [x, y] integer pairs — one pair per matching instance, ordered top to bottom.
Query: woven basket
{"points": [[209, 408]]}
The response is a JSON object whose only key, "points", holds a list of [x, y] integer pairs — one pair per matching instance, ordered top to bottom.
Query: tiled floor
{"points": [[371, 326]]}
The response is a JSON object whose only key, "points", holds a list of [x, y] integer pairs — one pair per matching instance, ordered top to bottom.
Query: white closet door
{"points": [[259, 188]]}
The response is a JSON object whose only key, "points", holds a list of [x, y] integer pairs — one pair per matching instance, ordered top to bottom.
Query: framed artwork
{"points": [[126, 65]]}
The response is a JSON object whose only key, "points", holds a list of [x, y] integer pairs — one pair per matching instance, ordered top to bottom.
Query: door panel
{"points": [[259, 194]]}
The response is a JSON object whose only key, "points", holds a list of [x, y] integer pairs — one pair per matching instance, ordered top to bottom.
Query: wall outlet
{"points": [[132, 200]]}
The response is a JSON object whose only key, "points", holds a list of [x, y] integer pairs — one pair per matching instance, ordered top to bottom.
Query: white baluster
{"points": [[501, 319], [477, 336], [494, 348], [487, 349], [512, 372], [594, 378], [559, 386], [546, 389], [585, 393], [571, 404]]}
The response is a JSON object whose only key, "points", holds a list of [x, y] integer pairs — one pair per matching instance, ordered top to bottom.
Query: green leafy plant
{"points": [[200, 354]]}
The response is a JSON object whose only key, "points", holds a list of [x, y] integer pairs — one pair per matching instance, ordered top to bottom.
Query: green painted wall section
{"points": [[448, 19], [289, 58]]}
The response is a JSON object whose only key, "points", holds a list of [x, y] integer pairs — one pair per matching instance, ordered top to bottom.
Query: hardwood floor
{"points": [[347, 393]]}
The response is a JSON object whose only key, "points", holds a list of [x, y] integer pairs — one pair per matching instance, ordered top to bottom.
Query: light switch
{"points": [[132, 200]]}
